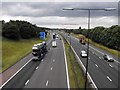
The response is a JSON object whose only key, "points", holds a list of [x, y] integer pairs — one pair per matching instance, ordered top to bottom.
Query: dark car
{"points": [[108, 58]]}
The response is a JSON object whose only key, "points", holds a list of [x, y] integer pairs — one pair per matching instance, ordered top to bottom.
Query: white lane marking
{"points": [[100, 58], [53, 60], [96, 65], [110, 65], [36, 67], [51, 68], [84, 68], [14, 74], [109, 78], [27, 82], [47, 83], [68, 83]]}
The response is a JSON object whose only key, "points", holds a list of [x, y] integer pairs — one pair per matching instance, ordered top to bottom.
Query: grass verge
{"points": [[12, 51], [112, 51], [76, 77]]}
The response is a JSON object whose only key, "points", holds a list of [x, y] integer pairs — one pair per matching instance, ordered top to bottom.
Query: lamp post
{"points": [[89, 11]]}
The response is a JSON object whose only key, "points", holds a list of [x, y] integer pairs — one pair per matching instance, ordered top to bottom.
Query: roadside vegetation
{"points": [[18, 37], [105, 38], [13, 51], [112, 51], [76, 77]]}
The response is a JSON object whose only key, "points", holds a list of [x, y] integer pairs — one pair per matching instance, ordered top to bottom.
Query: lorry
{"points": [[82, 40], [39, 50]]}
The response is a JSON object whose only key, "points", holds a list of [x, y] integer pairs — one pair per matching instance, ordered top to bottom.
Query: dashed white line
{"points": [[53, 60], [96, 65], [110, 65], [36, 67], [51, 68], [109, 78], [27, 82], [47, 83]]}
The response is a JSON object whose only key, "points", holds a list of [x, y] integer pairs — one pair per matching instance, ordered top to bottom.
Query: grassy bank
{"points": [[12, 51], [112, 51], [76, 77]]}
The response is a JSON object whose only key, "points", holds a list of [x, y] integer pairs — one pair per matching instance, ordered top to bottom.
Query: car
{"points": [[54, 44], [83, 53], [108, 58]]}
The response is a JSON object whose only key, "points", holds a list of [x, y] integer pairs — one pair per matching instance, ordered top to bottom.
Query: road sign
{"points": [[42, 35]]}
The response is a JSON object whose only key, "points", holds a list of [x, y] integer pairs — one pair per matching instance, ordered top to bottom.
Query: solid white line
{"points": [[96, 65], [110, 65], [36, 67], [51, 68], [84, 68], [14, 74], [109, 78], [27, 82], [47, 83], [68, 84]]}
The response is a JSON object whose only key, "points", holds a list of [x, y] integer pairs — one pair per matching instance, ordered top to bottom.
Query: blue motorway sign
{"points": [[42, 35]]}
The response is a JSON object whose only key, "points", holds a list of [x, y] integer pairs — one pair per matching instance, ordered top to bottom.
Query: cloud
{"points": [[51, 13]]}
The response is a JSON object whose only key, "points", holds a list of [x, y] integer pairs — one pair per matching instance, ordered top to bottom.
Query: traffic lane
{"points": [[82, 47], [99, 52], [84, 60], [50, 70], [110, 74], [41, 75], [19, 80], [59, 80], [20, 83]]}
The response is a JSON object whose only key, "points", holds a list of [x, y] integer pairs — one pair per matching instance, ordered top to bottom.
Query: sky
{"points": [[50, 13]]}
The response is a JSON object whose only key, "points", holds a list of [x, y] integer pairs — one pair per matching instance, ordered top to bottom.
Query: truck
{"points": [[82, 40], [39, 50]]}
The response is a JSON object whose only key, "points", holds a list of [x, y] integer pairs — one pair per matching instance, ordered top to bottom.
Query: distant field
{"points": [[12, 50]]}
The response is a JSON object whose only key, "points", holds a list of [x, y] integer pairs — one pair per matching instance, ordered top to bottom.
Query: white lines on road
{"points": [[53, 60], [96, 65], [110, 65], [36, 67], [51, 68], [15, 74], [109, 78], [27, 82], [47, 83]]}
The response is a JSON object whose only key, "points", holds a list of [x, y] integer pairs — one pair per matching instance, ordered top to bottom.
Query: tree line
{"points": [[20, 30], [109, 37]]}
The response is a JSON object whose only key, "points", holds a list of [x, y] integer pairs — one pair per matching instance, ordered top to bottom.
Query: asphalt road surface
{"points": [[50, 72], [103, 73]]}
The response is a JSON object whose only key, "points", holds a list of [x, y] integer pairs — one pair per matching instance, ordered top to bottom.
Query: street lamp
{"points": [[105, 9]]}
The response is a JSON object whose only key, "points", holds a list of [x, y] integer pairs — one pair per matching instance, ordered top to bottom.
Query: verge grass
{"points": [[13, 51], [76, 76]]}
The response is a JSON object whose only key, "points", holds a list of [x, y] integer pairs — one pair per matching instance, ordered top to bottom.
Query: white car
{"points": [[54, 44], [83, 53], [108, 58]]}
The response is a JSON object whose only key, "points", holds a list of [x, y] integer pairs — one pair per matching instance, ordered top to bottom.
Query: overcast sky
{"points": [[50, 14]]}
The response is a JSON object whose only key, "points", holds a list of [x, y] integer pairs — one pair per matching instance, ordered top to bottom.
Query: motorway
{"points": [[50, 72], [103, 73]]}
